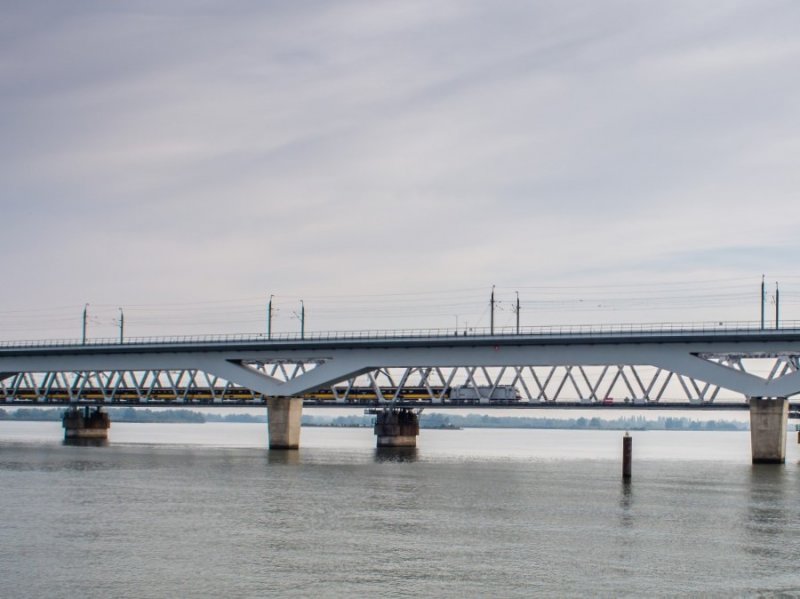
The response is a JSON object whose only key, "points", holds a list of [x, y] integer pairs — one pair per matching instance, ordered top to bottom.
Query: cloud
{"points": [[325, 149]]}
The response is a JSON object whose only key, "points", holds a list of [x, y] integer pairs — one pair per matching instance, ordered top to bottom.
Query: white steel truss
{"points": [[697, 366], [618, 383]]}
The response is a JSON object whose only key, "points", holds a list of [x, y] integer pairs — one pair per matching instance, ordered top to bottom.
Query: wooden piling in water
{"points": [[627, 454]]}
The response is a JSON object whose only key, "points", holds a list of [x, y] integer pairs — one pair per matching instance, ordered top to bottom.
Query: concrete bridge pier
{"points": [[284, 415], [768, 420], [85, 423], [397, 427]]}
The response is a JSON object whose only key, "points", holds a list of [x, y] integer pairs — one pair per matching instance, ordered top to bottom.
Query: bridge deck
{"points": [[560, 335], [697, 359]]}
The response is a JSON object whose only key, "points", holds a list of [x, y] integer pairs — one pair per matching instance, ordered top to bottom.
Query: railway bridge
{"points": [[708, 366]]}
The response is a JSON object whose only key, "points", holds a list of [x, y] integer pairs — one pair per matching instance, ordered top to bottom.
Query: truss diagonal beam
{"points": [[711, 372]]}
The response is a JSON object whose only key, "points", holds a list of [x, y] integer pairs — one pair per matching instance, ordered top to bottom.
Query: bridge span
{"points": [[713, 365]]}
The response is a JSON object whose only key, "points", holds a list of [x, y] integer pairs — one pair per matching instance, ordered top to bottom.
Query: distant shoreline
{"points": [[434, 421]]}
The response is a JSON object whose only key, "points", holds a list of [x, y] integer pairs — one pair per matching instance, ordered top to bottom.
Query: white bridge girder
{"points": [[590, 371], [588, 384]]}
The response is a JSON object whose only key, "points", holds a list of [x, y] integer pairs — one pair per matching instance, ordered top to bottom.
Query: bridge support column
{"points": [[284, 415], [768, 419], [85, 423], [397, 427]]}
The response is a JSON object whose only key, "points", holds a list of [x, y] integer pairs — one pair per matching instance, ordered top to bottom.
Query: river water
{"points": [[203, 510]]}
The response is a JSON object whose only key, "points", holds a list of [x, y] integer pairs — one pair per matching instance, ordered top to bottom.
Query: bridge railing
{"points": [[546, 331]]}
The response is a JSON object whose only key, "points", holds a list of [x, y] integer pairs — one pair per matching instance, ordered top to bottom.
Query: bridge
{"points": [[703, 366]]}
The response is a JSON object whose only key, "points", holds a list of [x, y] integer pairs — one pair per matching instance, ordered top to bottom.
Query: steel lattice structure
{"points": [[640, 366], [574, 383]]}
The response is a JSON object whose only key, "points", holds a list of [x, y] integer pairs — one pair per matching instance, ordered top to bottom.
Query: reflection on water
{"points": [[86, 442], [396, 454], [283, 456], [626, 503], [767, 510]]}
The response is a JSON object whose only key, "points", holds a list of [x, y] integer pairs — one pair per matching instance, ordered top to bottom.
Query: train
{"points": [[454, 394], [131, 395], [200, 395]]}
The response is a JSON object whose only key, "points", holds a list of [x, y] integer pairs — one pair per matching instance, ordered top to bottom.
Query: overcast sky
{"points": [[184, 160]]}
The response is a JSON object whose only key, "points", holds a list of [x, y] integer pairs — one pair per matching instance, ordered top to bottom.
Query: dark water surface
{"points": [[204, 511]]}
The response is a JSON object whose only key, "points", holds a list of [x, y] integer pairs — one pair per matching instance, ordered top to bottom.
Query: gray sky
{"points": [[388, 163]]}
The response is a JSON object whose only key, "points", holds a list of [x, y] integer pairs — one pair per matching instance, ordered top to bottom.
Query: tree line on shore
{"points": [[427, 420]]}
